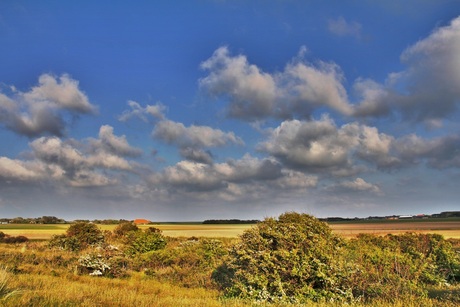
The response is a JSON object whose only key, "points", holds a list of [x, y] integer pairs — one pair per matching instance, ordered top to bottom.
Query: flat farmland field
{"points": [[449, 228], [202, 230]]}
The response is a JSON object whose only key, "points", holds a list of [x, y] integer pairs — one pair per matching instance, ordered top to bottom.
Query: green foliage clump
{"points": [[123, 228], [78, 237], [138, 242], [295, 258], [188, 263], [397, 266]]}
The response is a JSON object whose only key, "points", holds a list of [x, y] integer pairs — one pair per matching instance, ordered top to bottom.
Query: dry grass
{"points": [[71, 290], [139, 290]]}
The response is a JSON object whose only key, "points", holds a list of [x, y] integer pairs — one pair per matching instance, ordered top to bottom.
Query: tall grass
{"points": [[138, 290], [5, 291]]}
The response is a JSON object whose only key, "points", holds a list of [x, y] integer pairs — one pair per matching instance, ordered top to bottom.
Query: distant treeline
{"points": [[447, 214], [56, 220], [231, 221]]}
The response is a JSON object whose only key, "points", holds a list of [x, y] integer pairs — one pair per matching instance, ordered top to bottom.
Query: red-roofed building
{"points": [[141, 222]]}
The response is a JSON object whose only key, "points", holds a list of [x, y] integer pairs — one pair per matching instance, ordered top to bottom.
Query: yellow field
{"points": [[447, 228], [206, 230]]}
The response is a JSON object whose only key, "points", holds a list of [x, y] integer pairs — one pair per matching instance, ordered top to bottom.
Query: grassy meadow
{"points": [[33, 274]]}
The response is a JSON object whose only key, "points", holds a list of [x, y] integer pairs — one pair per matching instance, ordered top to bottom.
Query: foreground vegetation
{"points": [[292, 260]]}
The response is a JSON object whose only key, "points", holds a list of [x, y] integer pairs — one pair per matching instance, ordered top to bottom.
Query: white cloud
{"points": [[341, 27], [308, 87], [427, 90], [62, 93], [253, 94], [374, 99], [41, 110], [157, 111], [193, 136], [116, 144], [313, 145], [320, 146], [441, 152], [196, 155], [82, 164], [16, 170], [232, 179], [360, 184]]}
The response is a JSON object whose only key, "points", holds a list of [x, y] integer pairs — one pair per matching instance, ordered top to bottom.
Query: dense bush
{"points": [[123, 228], [78, 236], [138, 242], [295, 258], [188, 263], [397, 266]]}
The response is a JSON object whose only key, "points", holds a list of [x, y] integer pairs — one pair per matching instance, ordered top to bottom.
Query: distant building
{"points": [[141, 222]]}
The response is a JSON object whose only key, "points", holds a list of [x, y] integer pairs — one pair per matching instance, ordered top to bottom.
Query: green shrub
{"points": [[123, 228], [78, 236], [138, 242], [295, 258], [441, 261], [188, 263], [398, 266], [382, 271]]}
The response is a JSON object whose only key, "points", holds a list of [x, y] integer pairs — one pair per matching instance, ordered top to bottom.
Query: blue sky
{"points": [[191, 110]]}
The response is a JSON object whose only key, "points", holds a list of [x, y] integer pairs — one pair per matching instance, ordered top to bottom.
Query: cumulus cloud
{"points": [[341, 27], [307, 87], [427, 90], [63, 92], [254, 94], [374, 99], [42, 109], [157, 111], [193, 136], [191, 140], [115, 144], [313, 145], [320, 146], [442, 152], [196, 155], [71, 162], [11, 169], [232, 179], [358, 185]]}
